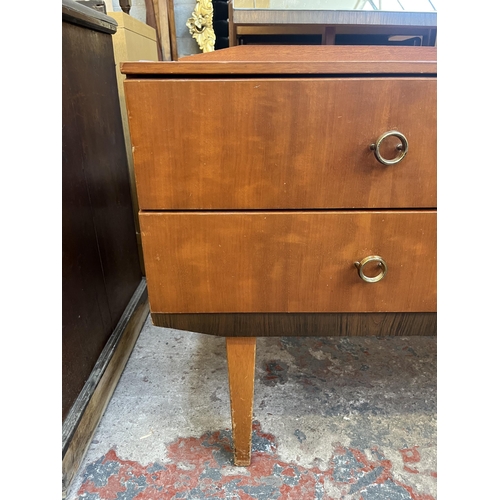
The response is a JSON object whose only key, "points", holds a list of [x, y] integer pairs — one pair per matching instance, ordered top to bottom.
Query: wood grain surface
{"points": [[347, 17], [289, 59], [298, 143], [100, 258], [200, 262], [301, 324], [241, 371], [79, 429]]}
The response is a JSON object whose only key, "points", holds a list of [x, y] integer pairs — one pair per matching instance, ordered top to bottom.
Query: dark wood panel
{"points": [[92, 84], [298, 143], [199, 262], [101, 268], [86, 321], [301, 324], [85, 415]]}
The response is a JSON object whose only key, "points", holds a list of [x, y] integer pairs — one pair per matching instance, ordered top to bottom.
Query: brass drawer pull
{"points": [[403, 147], [366, 260]]}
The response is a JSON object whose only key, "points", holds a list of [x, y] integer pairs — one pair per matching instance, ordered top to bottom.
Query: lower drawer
{"points": [[209, 262]]}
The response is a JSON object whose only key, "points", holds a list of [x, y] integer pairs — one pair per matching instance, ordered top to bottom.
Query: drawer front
{"points": [[282, 144], [207, 262]]}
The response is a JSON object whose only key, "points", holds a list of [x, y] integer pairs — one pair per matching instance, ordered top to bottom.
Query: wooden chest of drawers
{"points": [[287, 191]]}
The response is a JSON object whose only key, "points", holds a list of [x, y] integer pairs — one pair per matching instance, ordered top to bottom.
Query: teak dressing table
{"points": [[287, 190]]}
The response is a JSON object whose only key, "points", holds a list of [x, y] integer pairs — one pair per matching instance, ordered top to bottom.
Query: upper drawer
{"points": [[282, 143]]}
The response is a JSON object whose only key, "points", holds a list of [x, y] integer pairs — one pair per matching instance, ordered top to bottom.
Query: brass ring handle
{"points": [[403, 147], [366, 260]]}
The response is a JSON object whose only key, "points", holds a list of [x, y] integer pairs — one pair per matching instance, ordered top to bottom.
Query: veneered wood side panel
{"points": [[280, 144], [288, 261]]}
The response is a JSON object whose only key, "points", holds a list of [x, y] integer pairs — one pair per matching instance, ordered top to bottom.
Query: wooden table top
{"points": [[290, 59]]}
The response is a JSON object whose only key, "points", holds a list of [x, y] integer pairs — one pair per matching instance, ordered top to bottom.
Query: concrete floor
{"points": [[334, 418]]}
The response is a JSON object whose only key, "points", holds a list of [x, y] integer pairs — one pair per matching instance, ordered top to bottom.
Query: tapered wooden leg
{"points": [[241, 368]]}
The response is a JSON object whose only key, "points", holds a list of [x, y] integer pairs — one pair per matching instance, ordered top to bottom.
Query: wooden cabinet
{"points": [[287, 182], [100, 264], [101, 271]]}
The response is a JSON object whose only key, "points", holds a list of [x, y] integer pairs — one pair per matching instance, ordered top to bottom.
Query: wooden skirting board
{"points": [[83, 418]]}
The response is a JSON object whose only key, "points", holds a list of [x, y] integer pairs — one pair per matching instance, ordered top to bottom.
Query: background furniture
{"points": [[221, 23], [304, 24], [133, 41], [297, 204], [104, 299]]}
